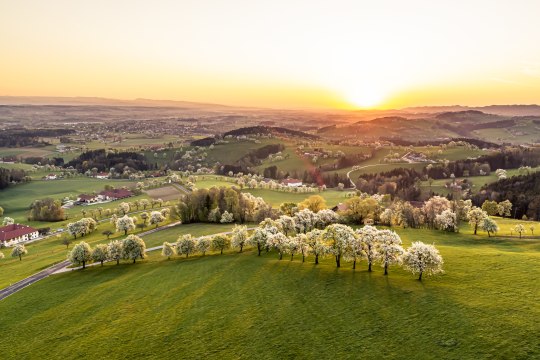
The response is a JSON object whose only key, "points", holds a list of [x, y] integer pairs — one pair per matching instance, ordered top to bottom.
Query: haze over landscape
{"points": [[293, 54], [269, 179]]}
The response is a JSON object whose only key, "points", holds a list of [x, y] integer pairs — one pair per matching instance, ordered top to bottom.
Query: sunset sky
{"points": [[279, 53]]}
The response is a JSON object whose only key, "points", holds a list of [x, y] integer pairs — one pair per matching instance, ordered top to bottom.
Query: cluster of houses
{"points": [[106, 195], [16, 233]]}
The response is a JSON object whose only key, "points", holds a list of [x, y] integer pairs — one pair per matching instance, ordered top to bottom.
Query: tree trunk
{"points": [[475, 228], [125, 232], [488, 234], [241, 248], [259, 249], [221, 251], [280, 255], [187, 256], [20, 257], [292, 257], [303, 257], [316, 259], [134, 260], [338, 260], [117, 261], [101, 262], [84, 264], [354, 264], [369, 266], [385, 268], [420, 277]]}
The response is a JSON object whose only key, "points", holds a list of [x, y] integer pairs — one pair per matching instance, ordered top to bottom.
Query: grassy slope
{"points": [[42, 254], [241, 306]]}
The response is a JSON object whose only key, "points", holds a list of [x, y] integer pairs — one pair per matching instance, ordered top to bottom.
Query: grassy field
{"points": [[438, 186], [276, 198], [16, 200], [44, 253], [243, 306]]}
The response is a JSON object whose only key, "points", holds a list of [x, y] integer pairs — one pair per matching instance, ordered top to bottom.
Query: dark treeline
{"points": [[267, 130], [29, 137], [207, 141], [253, 158], [506, 159], [57, 161], [103, 161], [8, 176], [398, 182], [523, 191], [198, 205]]}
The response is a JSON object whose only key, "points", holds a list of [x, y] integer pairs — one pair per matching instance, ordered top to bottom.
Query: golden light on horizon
{"points": [[285, 53]]}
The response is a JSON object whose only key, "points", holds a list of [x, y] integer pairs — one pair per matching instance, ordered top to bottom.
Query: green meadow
{"points": [[243, 306]]}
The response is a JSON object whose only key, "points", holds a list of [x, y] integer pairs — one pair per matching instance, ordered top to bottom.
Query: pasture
{"points": [[244, 306]]}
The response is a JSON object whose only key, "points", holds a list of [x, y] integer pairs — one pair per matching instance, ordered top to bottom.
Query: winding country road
{"points": [[18, 286]]}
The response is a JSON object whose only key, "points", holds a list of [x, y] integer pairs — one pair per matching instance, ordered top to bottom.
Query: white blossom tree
{"points": [[433, 207], [124, 208], [504, 208], [214, 215], [476, 216], [156, 217], [226, 217], [325, 217], [8, 221], [305, 221], [447, 221], [125, 224], [287, 225], [490, 226], [520, 229], [239, 236], [338, 237], [368, 237], [258, 239], [221, 242], [279, 242], [203, 244], [185, 245], [317, 245], [292, 246], [133, 247], [389, 249], [114, 250], [167, 250], [18, 251], [100, 253], [80, 254], [422, 259]]}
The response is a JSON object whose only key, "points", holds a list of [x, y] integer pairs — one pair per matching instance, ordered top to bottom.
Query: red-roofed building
{"points": [[292, 182], [115, 194], [88, 199], [16, 233]]}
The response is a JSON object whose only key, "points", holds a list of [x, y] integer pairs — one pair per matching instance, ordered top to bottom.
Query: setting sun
{"points": [[366, 98]]}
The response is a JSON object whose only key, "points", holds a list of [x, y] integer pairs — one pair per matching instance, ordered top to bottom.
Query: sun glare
{"points": [[365, 98]]}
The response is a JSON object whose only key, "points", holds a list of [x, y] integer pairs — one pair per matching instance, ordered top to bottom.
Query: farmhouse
{"points": [[102, 175], [51, 177], [292, 182], [115, 194], [106, 195], [16, 233]]}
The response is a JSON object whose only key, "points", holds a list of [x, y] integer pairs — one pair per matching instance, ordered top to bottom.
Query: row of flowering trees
{"points": [[344, 243], [131, 248]]}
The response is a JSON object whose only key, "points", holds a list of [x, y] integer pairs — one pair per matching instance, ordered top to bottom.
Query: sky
{"points": [[279, 53]]}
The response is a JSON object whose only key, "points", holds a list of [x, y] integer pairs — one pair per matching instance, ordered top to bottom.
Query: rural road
{"points": [[353, 185], [56, 268], [4, 293]]}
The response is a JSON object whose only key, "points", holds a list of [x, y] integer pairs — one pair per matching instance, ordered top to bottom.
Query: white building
{"points": [[292, 182], [17, 233]]}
